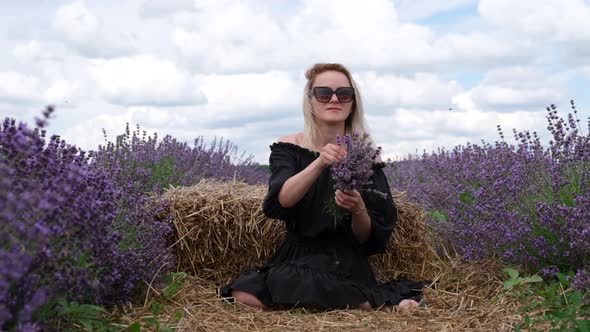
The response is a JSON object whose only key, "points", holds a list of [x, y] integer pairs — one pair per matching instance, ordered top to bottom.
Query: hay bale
{"points": [[220, 228], [221, 231], [410, 253], [469, 297]]}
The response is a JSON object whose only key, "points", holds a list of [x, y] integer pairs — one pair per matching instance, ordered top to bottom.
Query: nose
{"points": [[334, 98]]}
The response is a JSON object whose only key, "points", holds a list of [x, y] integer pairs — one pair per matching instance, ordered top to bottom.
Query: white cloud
{"points": [[159, 8], [420, 9], [548, 19], [75, 21], [81, 29], [321, 31], [247, 41], [477, 48], [27, 51], [30, 53], [144, 80], [19, 88], [517, 88], [424, 90], [25, 91], [61, 93], [251, 95], [153, 117], [409, 132], [88, 134], [250, 137]]}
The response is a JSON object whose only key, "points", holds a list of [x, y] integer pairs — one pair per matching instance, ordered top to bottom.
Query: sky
{"points": [[432, 74]]}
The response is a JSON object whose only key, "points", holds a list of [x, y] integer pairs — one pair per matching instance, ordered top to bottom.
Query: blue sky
{"points": [[432, 73]]}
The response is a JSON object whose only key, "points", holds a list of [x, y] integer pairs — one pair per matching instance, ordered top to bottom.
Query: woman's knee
{"points": [[247, 299]]}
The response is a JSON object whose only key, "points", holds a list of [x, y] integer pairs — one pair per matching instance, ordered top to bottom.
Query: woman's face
{"points": [[333, 110]]}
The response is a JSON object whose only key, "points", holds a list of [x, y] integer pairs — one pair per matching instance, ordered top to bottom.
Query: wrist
{"points": [[319, 165], [360, 211]]}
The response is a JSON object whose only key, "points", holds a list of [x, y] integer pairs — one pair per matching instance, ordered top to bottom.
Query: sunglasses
{"points": [[323, 94]]}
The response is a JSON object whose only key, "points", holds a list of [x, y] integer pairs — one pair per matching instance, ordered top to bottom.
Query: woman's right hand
{"points": [[331, 154]]}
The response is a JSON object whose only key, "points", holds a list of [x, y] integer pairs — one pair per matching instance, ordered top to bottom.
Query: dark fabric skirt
{"points": [[320, 274]]}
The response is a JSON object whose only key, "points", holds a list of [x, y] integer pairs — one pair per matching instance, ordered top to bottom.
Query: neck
{"points": [[328, 132]]}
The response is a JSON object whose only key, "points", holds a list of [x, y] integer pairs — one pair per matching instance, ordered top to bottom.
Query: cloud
{"points": [[161, 8], [420, 9], [547, 19], [82, 30], [321, 31], [247, 41], [477, 48], [29, 50], [34, 51], [144, 80], [19, 88], [515, 88], [423, 90], [24, 92], [61, 93], [250, 96], [153, 117], [409, 132], [88, 134], [250, 137]]}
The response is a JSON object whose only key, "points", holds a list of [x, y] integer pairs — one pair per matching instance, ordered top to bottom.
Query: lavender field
{"points": [[522, 202], [82, 232]]}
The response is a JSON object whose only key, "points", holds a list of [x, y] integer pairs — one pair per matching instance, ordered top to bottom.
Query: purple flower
{"points": [[355, 170], [523, 202], [88, 227]]}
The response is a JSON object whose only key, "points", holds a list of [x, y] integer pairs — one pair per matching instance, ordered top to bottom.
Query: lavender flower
{"points": [[355, 170], [523, 202], [88, 227]]}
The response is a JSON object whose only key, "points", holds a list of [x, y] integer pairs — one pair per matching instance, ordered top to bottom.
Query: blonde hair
{"points": [[355, 123]]}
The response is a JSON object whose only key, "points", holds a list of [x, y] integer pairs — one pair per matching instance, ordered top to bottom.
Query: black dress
{"points": [[320, 264]]}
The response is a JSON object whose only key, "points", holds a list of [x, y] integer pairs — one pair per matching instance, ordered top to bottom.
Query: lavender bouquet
{"points": [[354, 172]]}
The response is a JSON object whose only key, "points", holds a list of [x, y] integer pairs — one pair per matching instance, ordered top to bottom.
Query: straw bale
{"points": [[220, 228], [221, 231], [410, 252], [467, 297]]}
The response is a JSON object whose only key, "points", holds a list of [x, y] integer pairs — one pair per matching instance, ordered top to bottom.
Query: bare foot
{"points": [[247, 299], [407, 304], [366, 306]]}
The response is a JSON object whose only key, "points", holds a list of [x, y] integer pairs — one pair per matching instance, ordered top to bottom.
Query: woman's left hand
{"points": [[350, 200]]}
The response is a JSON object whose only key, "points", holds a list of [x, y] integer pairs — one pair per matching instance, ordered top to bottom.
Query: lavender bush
{"points": [[152, 164], [142, 166], [354, 171], [527, 204], [56, 217], [87, 227]]}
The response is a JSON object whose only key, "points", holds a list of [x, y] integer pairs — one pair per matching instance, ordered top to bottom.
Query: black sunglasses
{"points": [[323, 94]]}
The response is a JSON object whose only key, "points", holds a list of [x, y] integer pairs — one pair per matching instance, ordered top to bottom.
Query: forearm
{"points": [[296, 186], [361, 225]]}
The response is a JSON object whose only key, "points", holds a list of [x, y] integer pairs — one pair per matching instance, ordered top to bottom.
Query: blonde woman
{"points": [[322, 264]]}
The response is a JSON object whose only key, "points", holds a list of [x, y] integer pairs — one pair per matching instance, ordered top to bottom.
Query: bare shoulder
{"points": [[294, 138]]}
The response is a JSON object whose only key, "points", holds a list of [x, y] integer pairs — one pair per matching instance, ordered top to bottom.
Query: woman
{"points": [[321, 263]]}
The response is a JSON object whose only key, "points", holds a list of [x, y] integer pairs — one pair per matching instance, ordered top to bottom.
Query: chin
{"points": [[333, 120]]}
